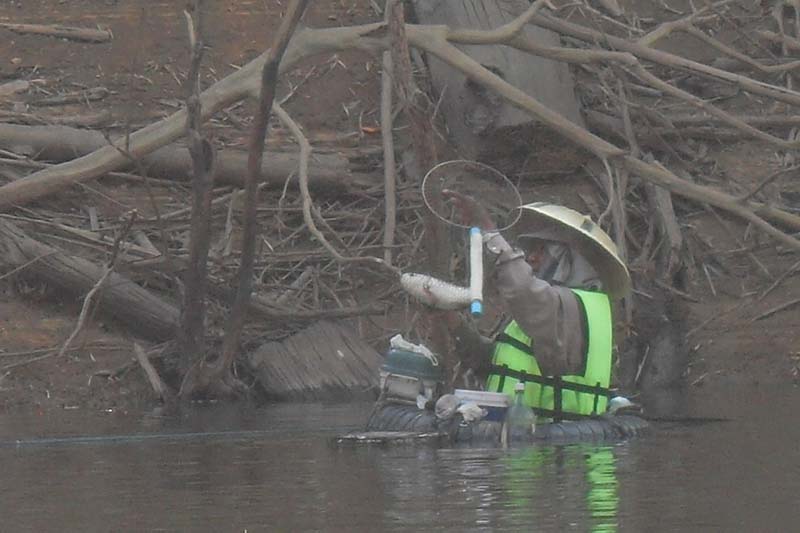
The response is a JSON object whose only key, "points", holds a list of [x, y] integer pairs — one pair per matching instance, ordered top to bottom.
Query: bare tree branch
{"points": [[269, 80], [305, 152], [389, 164], [191, 332]]}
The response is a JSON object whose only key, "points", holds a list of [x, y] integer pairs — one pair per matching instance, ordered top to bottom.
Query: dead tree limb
{"points": [[688, 25], [665, 29], [90, 35], [437, 43], [788, 43], [666, 59], [629, 61], [269, 80], [11, 88], [225, 92], [92, 94], [723, 116], [83, 120], [777, 121], [479, 124], [422, 139], [173, 162], [389, 164], [651, 172], [663, 177], [769, 179], [660, 201], [308, 207], [732, 235], [436, 242], [294, 289], [786, 305], [266, 308], [143, 312], [191, 333], [163, 391]]}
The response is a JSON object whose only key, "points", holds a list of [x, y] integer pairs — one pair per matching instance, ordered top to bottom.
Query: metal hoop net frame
{"points": [[485, 184]]}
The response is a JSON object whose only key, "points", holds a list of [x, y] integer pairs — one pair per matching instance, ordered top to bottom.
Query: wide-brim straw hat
{"points": [[582, 233]]}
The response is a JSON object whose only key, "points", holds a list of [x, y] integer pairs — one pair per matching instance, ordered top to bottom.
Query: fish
{"points": [[435, 292]]}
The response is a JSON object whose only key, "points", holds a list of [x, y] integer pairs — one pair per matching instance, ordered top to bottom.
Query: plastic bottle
{"points": [[520, 420]]}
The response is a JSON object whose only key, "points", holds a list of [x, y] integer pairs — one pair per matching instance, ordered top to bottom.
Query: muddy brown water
{"points": [[273, 469]]}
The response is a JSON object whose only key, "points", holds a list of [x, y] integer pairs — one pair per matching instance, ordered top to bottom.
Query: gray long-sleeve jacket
{"points": [[549, 314]]}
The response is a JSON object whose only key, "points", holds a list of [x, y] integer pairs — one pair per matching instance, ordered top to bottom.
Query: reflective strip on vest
{"points": [[598, 362]]}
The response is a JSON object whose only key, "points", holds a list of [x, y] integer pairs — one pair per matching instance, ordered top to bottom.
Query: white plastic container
{"points": [[406, 374], [407, 388], [495, 403]]}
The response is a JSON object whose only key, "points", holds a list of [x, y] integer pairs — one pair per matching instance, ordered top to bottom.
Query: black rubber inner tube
{"points": [[402, 417]]}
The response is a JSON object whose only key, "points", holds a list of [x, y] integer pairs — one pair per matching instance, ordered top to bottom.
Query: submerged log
{"points": [[90, 35], [482, 124], [61, 143], [141, 311], [326, 361], [389, 438]]}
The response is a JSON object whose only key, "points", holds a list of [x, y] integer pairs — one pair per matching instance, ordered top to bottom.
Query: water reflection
{"points": [[737, 476], [582, 479], [539, 488]]}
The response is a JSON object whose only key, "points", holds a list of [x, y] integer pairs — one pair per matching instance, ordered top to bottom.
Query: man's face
{"points": [[535, 254]]}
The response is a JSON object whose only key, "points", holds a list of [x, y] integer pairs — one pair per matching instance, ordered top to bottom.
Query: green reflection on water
{"points": [[557, 484]]}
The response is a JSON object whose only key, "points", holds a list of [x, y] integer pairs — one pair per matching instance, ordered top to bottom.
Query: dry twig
{"points": [[88, 301], [161, 389]]}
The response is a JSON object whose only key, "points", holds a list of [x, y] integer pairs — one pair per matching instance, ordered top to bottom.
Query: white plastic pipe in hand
{"points": [[476, 271]]}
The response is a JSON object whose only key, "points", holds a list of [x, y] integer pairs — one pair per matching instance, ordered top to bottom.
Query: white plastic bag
{"points": [[399, 343]]}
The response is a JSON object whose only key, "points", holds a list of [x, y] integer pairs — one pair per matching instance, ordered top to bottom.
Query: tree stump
{"points": [[484, 126], [326, 361]]}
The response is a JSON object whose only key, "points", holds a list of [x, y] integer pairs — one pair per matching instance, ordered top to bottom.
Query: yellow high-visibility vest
{"points": [[582, 395]]}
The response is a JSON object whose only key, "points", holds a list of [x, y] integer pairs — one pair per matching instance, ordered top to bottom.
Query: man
{"points": [[556, 286]]}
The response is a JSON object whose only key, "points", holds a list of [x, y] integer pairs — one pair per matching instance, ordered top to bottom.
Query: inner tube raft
{"points": [[409, 418]]}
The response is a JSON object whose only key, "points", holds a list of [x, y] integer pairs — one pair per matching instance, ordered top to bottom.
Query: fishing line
{"points": [[144, 437]]}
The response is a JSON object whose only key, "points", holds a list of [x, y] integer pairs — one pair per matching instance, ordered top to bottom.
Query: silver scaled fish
{"points": [[435, 292]]}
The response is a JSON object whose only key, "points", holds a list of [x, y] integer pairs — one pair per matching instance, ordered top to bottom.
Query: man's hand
{"points": [[472, 213]]}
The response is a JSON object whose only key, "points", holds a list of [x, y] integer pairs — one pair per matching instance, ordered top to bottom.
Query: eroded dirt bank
{"points": [[733, 310]]}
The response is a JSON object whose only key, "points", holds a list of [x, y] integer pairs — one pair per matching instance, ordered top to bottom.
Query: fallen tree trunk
{"points": [[89, 35], [435, 40], [241, 84], [85, 120], [778, 121], [483, 125], [612, 128], [61, 143], [140, 310], [326, 361]]}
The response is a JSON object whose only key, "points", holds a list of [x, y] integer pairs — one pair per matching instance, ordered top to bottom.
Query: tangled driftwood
{"points": [[439, 41], [631, 62]]}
